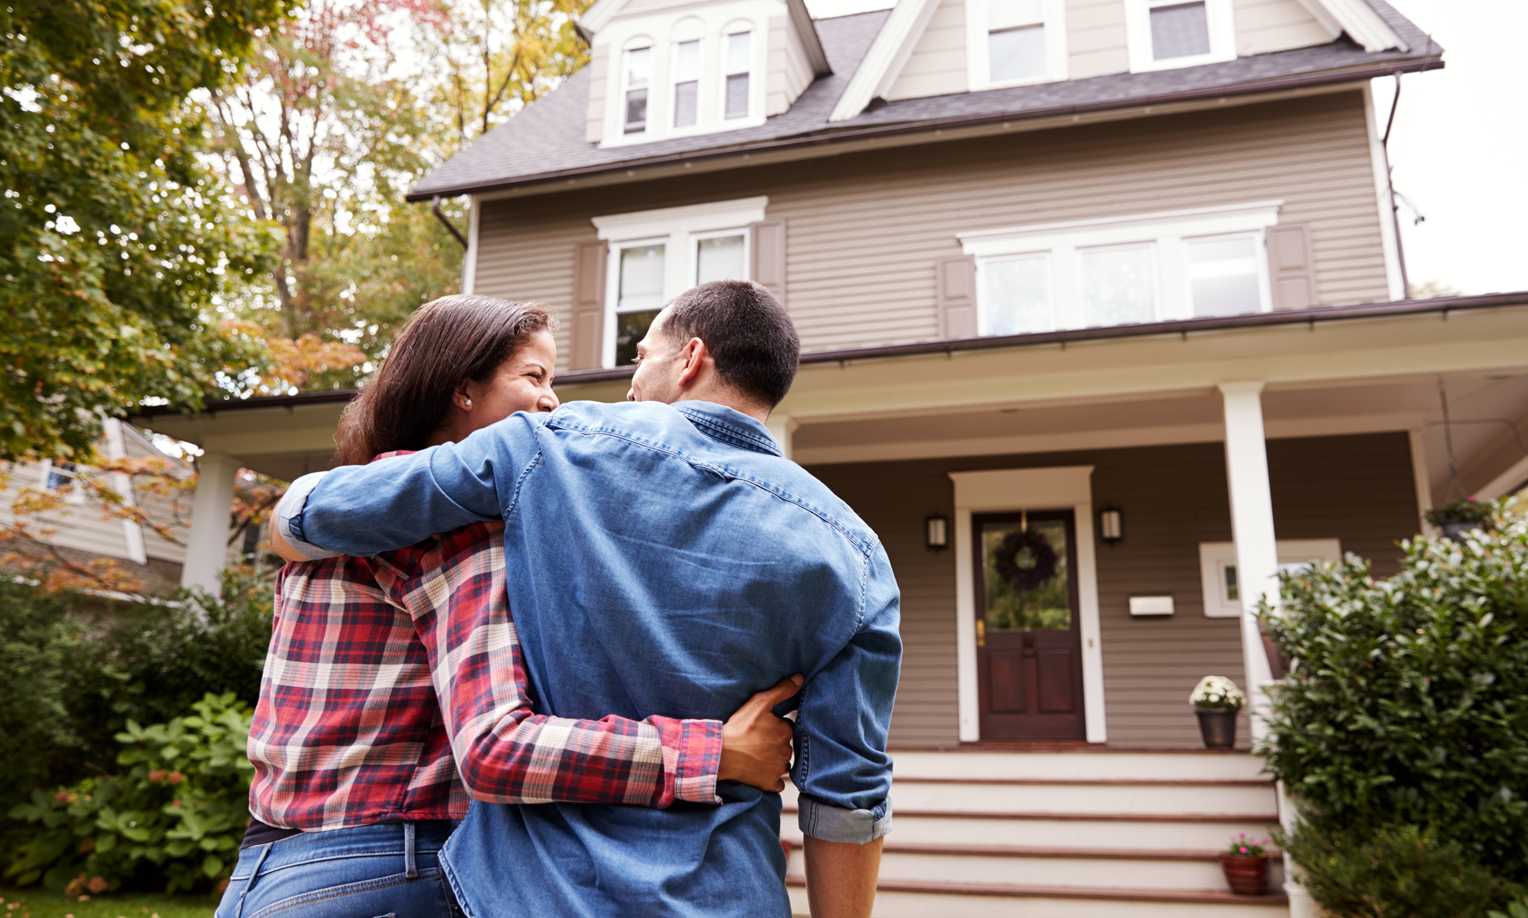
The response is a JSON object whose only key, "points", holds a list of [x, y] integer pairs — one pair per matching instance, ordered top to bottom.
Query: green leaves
{"points": [[1407, 707]]}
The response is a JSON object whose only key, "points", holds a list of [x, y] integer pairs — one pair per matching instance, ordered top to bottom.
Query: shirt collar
{"points": [[729, 425]]}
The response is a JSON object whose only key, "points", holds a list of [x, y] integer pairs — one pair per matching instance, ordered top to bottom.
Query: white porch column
{"points": [[783, 428], [211, 520], [1257, 558], [1257, 570]]}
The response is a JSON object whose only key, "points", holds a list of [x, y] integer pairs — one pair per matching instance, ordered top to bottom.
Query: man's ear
{"points": [[695, 353]]}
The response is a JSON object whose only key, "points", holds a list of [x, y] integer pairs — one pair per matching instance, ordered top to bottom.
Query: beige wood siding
{"points": [[1276, 25], [1097, 41], [937, 64], [599, 70], [789, 71], [866, 231], [1357, 489], [83, 527]]}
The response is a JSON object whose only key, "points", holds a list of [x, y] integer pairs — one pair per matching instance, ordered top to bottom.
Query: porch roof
{"points": [[1347, 346]]}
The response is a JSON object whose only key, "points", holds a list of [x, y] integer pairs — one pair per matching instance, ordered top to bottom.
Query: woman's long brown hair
{"points": [[446, 343]]}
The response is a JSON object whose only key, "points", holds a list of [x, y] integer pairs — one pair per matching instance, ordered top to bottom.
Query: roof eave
{"points": [[833, 134]]}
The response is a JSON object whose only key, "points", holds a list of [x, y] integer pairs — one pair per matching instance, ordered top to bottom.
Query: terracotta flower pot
{"points": [[1217, 726], [1247, 876]]}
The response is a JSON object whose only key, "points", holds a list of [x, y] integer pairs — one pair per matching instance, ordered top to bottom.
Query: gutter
{"points": [[834, 135], [1395, 207], [1441, 306]]}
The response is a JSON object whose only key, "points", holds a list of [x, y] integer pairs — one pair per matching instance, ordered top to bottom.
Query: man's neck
{"points": [[728, 400]]}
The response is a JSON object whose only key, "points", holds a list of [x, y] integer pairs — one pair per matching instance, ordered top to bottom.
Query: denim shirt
{"points": [[662, 559]]}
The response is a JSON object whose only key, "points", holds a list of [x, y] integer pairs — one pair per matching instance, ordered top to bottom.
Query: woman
{"points": [[394, 687]]}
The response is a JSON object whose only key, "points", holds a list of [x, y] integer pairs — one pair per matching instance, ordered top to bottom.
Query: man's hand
{"points": [[756, 744]]}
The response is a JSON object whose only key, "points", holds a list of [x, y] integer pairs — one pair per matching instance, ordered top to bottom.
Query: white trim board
{"points": [[1360, 20], [888, 53], [1059, 488]]}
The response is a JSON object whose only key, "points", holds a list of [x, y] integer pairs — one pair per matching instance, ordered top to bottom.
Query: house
{"points": [[1104, 290], [81, 530]]}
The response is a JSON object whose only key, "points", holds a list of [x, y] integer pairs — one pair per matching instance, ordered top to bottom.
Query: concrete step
{"points": [[1080, 765], [1115, 796], [1067, 831], [1082, 869], [971, 900]]}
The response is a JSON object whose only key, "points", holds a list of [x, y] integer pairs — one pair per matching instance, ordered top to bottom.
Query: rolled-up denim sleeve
{"points": [[366, 509], [842, 768]]}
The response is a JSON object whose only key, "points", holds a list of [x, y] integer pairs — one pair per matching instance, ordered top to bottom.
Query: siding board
{"points": [[865, 230], [1354, 488]]}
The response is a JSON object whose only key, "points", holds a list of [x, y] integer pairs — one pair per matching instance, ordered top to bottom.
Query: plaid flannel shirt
{"points": [[394, 688]]}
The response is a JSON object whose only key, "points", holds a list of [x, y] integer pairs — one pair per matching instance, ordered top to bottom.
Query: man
{"points": [[663, 556]]}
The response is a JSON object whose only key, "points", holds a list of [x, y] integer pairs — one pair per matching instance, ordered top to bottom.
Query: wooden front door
{"points": [[1028, 650]]}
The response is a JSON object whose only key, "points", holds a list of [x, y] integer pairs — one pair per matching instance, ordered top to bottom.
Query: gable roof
{"points": [[599, 15], [545, 142]]}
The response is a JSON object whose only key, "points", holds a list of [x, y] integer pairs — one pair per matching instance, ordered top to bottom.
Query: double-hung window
{"points": [[1179, 33], [1013, 42], [737, 70], [686, 72], [637, 79], [656, 255], [1129, 271], [63, 478]]}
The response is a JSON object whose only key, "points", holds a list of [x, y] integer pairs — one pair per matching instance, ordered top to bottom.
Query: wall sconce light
{"points": [[1111, 525], [936, 532]]}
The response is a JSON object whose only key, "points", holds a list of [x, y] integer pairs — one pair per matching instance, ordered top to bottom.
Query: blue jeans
{"points": [[364, 872]]}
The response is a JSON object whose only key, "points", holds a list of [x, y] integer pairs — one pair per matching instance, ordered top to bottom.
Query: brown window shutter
{"points": [[769, 257], [1291, 266], [957, 297], [588, 330]]}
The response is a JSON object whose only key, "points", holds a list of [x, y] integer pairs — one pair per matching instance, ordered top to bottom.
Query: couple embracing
{"points": [[585, 618]]}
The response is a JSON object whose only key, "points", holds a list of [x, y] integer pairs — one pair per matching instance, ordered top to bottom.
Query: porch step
{"points": [[1070, 764], [1254, 798], [1067, 831], [1100, 868], [986, 900]]}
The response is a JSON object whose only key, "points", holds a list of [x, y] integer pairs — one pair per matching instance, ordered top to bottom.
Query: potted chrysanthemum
{"points": [[1215, 700], [1245, 864]]}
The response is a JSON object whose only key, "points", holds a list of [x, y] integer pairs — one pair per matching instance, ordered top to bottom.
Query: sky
{"points": [[1459, 148]]}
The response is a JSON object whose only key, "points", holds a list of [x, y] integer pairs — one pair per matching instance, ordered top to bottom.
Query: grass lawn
{"points": [[38, 903]]}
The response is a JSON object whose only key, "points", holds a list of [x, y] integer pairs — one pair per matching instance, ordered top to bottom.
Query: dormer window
{"points": [[1179, 33], [1015, 42], [737, 66], [686, 70], [638, 77]]}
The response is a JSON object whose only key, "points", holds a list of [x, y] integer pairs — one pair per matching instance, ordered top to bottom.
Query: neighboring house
{"points": [[1118, 275], [79, 530]]}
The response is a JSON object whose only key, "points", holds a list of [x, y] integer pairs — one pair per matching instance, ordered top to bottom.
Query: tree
{"points": [[343, 109], [115, 244]]}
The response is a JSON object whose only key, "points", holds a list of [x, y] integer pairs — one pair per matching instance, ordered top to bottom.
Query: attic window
{"points": [[1179, 33], [1015, 42], [737, 67], [639, 72], [686, 83]]}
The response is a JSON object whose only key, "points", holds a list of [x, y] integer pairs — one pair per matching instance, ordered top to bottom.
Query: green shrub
{"points": [[1408, 707], [173, 817]]}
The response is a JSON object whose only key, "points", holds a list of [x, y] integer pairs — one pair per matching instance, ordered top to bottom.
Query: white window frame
{"points": [[712, 22], [1221, 24], [688, 29], [639, 43], [978, 50], [754, 102], [680, 229], [1168, 231], [76, 493], [1215, 557]]}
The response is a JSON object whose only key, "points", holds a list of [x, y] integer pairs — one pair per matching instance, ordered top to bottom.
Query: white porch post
{"points": [[783, 428], [211, 520], [1257, 569]]}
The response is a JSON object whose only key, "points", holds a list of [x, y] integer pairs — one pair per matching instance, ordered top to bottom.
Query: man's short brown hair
{"points": [[748, 333]]}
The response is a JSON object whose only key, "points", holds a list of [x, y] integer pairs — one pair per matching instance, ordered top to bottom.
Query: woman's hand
{"points": [[756, 744]]}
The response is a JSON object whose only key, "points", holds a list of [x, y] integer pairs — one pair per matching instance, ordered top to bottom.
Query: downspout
{"points": [[1395, 208], [451, 227]]}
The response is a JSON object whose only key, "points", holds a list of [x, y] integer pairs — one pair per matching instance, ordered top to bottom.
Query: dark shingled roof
{"points": [[546, 140]]}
